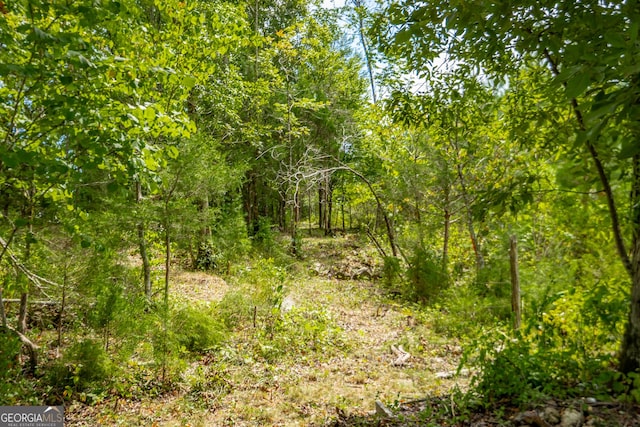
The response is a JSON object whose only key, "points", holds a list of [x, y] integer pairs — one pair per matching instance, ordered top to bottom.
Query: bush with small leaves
{"points": [[198, 329]]}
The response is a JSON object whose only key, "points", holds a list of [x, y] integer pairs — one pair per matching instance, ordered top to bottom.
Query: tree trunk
{"points": [[359, 9], [250, 200], [467, 204], [329, 205], [321, 206], [296, 209], [310, 209], [342, 211], [282, 214], [389, 225], [205, 230], [472, 232], [445, 243], [142, 245], [167, 262], [515, 283], [62, 307], [22, 314], [3, 315], [630, 350], [629, 356]]}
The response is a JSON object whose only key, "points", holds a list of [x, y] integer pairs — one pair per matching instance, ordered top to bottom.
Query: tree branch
{"points": [[611, 203], [33, 278]]}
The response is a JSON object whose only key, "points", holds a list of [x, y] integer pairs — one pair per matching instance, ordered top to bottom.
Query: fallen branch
{"points": [[33, 278], [33, 302], [402, 356], [382, 410]]}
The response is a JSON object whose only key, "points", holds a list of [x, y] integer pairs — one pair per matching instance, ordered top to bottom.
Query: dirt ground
{"points": [[390, 355]]}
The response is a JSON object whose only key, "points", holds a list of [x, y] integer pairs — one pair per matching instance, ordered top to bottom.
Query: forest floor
{"points": [[339, 344], [386, 352]]}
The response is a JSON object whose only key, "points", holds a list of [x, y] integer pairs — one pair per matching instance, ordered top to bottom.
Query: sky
{"points": [[332, 3]]}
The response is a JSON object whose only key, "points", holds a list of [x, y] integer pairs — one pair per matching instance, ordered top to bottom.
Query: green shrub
{"points": [[230, 238], [264, 238], [207, 258], [391, 271], [426, 276], [494, 279], [257, 297], [235, 308], [460, 312], [197, 329], [301, 331], [566, 348], [85, 366], [10, 369]]}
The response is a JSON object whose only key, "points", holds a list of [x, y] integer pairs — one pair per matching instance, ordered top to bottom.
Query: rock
{"points": [[287, 304], [450, 374], [445, 375], [382, 410], [551, 415], [530, 418], [571, 418], [594, 422]]}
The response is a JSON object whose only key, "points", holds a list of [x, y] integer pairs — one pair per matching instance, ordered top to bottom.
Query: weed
{"points": [[197, 329], [302, 332], [86, 366]]}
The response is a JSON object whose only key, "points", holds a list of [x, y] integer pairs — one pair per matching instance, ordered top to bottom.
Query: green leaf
{"points": [[42, 35], [403, 36], [615, 39], [72, 54], [66, 80], [188, 82], [577, 84], [150, 113], [133, 118], [629, 149], [172, 152], [21, 222], [31, 238]]}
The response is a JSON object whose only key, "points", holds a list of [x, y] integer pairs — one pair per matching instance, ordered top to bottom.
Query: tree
{"points": [[588, 51], [93, 98]]}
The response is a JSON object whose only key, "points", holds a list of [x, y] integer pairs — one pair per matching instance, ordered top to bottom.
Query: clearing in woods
{"points": [[386, 350]]}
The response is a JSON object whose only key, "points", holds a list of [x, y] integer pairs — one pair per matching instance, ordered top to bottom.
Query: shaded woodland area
{"points": [[205, 205]]}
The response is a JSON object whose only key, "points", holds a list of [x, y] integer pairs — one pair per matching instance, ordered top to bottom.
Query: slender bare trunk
{"points": [[360, 11], [310, 204], [329, 204], [321, 210], [342, 212], [387, 221], [445, 243], [142, 246], [167, 261], [62, 307], [516, 307], [22, 313], [3, 315], [630, 349]]}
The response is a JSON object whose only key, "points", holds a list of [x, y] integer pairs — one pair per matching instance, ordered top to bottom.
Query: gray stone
{"points": [[382, 410], [551, 415], [571, 418]]}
